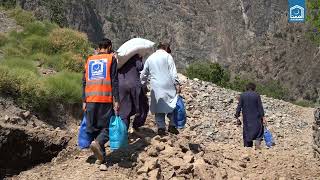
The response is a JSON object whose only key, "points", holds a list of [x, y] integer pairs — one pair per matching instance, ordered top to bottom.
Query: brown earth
{"points": [[210, 147]]}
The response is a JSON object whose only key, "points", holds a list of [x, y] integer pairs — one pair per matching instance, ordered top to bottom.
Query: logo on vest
{"points": [[97, 69]]}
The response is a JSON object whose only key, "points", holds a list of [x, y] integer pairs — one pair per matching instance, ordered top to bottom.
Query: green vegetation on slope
{"points": [[313, 17], [41, 45], [213, 72]]}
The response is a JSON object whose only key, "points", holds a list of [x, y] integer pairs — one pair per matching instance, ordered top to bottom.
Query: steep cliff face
{"points": [[251, 38]]}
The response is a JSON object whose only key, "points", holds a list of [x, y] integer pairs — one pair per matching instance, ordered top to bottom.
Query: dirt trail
{"points": [[210, 147], [291, 158]]}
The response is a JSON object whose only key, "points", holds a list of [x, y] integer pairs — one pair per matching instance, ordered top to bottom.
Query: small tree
{"points": [[208, 71]]}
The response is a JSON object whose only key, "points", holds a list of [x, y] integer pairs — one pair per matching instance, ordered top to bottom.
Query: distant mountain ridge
{"points": [[251, 38]]}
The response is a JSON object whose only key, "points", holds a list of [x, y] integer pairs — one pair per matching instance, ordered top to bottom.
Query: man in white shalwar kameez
{"points": [[161, 70]]}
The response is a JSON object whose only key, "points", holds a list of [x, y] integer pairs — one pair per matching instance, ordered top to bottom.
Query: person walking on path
{"points": [[165, 86], [100, 96], [133, 99], [253, 116]]}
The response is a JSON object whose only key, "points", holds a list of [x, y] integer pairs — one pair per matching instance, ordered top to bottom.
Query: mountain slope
{"points": [[251, 38]]}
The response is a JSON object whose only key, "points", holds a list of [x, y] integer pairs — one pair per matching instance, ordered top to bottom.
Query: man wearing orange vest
{"points": [[100, 96]]}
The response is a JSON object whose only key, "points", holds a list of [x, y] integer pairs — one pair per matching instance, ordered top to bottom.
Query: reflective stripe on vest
{"points": [[98, 79], [103, 82], [94, 93]]}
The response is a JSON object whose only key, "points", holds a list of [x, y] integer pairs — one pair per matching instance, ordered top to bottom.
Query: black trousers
{"points": [[133, 100], [98, 118], [248, 143]]}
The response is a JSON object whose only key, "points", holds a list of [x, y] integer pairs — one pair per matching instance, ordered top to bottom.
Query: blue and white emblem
{"points": [[296, 10], [97, 69]]}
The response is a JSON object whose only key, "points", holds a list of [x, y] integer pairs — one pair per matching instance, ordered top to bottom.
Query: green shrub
{"points": [[8, 3], [22, 17], [110, 18], [39, 28], [15, 37], [3, 39], [64, 40], [36, 43], [46, 44], [14, 46], [14, 50], [40, 57], [65, 61], [54, 62], [72, 62], [20, 63], [207, 71], [213, 72], [13, 79], [238, 84], [8, 85], [24, 85], [64, 87], [273, 89], [31, 92], [304, 103]]}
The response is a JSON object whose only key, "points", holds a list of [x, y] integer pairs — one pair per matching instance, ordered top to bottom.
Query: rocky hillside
{"points": [[251, 38], [210, 147]]}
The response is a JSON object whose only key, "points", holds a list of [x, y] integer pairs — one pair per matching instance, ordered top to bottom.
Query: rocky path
{"points": [[210, 147]]}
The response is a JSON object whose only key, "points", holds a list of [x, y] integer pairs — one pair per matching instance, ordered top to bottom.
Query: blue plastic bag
{"points": [[179, 114], [118, 133], [268, 137], [84, 138]]}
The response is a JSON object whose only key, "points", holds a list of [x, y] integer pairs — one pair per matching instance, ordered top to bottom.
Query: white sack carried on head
{"points": [[132, 47]]}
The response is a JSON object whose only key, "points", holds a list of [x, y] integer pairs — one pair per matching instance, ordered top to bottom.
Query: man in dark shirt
{"points": [[100, 96], [133, 99], [253, 116]]}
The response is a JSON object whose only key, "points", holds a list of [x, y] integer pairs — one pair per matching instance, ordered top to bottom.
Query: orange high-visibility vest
{"points": [[98, 79]]}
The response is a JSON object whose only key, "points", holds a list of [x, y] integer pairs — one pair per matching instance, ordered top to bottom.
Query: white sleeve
{"points": [[173, 70], [145, 73]]}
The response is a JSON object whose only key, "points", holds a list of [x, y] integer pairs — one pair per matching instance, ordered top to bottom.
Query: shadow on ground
{"points": [[127, 157]]}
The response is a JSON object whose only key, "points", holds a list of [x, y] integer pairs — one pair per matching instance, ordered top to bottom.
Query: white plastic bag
{"points": [[132, 47]]}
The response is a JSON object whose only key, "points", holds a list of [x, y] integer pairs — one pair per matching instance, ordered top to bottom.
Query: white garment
{"points": [[163, 75]]}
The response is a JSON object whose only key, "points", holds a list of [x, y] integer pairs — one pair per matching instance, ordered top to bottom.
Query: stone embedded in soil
{"points": [[25, 115], [6, 118], [160, 147], [168, 151], [153, 152], [245, 157], [188, 158], [199, 162], [176, 163], [149, 165], [243, 165], [103, 167], [143, 169], [185, 169], [200, 171], [154, 174], [221, 174], [143, 176], [178, 178], [235, 178]]}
